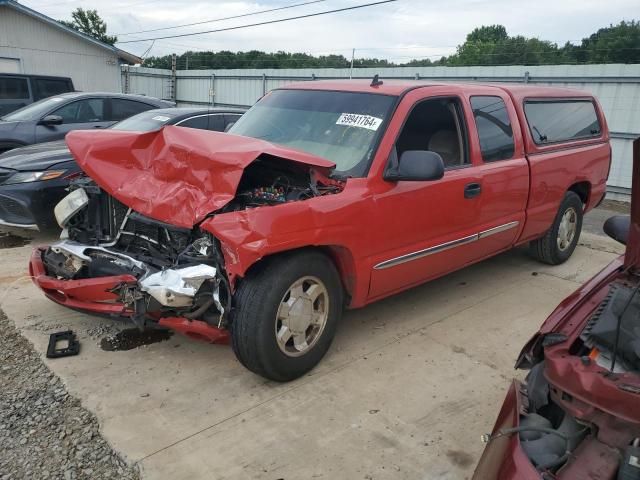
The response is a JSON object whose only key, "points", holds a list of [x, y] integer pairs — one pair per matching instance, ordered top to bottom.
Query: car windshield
{"points": [[35, 111], [145, 121], [343, 127]]}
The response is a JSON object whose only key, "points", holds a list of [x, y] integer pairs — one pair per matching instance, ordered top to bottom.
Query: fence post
{"points": [[125, 71], [526, 77], [174, 79], [264, 84], [212, 92]]}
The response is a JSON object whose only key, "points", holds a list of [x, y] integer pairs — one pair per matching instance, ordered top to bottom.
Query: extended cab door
{"points": [[431, 228]]}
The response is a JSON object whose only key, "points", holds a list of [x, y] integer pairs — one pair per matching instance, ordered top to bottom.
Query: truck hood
{"points": [[176, 175]]}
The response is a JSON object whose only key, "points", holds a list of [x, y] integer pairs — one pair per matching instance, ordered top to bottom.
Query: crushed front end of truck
{"points": [[137, 241]]}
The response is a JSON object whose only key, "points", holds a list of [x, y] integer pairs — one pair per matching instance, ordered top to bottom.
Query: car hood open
{"points": [[176, 175]]}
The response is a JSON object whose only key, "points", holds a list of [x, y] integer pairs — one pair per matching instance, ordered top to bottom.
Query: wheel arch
{"points": [[583, 190], [341, 257]]}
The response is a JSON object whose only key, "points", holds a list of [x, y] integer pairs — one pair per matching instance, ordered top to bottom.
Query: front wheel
{"points": [[561, 239], [285, 316]]}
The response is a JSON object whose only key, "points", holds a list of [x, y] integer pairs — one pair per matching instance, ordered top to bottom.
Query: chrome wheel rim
{"points": [[567, 228], [302, 316]]}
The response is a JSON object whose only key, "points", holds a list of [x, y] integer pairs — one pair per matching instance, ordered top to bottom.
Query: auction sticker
{"points": [[160, 118], [362, 121]]}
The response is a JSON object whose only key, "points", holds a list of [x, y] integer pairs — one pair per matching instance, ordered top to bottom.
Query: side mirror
{"points": [[51, 120], [416, 165], [617, 227]]}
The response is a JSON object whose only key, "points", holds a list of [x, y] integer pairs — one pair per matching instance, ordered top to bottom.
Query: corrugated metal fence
{"points": [[616, 86]]}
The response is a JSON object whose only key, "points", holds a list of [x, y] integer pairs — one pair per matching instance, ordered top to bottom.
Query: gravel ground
{"points": [[44, 432]]}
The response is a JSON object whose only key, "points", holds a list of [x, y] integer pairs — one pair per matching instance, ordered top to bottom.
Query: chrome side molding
{"points": [[445, 246]]}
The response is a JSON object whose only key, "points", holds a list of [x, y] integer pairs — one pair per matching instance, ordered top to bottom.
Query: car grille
{"points": [[13, 212]]}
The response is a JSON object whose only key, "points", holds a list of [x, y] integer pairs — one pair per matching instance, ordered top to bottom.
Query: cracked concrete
{"points": [[405, 392]]}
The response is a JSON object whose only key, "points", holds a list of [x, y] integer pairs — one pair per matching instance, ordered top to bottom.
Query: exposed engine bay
{"points": [[179, 272], [612, 335], [558, 431]]}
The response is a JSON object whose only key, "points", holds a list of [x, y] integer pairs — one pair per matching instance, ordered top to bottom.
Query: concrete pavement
{"points": [[406, 390]]}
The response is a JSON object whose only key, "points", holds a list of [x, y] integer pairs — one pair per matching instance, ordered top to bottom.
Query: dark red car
{"points": [[323, 195], [577, 416]]}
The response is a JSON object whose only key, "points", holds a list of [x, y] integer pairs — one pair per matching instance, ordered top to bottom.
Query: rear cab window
{"points": [[562, 120], [494, 128]]}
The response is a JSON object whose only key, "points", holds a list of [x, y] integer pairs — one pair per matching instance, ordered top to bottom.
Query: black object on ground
{"points": [[131, 338], [72, 346]]}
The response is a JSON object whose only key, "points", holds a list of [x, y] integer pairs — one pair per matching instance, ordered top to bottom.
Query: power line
{"points": [[224, 18], [264, 23]]}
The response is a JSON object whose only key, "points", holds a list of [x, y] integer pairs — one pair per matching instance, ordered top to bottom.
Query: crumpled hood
{"points": [[176, 175]]}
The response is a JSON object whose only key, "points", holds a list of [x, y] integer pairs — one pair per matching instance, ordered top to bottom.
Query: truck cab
{"points": [[323, 195]]}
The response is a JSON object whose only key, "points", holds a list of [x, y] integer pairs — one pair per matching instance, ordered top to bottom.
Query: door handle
{"points": [[97, 126], [472, 190]]}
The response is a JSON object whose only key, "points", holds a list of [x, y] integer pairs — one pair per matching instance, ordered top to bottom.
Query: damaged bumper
{"points": [[91, 294], [165, 299]]}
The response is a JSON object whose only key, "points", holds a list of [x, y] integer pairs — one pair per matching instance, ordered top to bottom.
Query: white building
{"points": [[32, 43]]}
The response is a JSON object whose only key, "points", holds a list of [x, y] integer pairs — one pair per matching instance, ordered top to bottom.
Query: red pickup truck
{"points": [[323, 195]]}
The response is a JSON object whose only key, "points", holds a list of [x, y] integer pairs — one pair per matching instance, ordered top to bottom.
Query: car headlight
{"points": [[26, 177], [70, 205]]}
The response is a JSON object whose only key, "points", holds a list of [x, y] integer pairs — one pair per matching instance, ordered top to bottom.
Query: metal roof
{"points": [[121, 54]]}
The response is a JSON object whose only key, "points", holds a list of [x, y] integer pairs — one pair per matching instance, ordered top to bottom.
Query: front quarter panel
{"points": [[334, 221]]}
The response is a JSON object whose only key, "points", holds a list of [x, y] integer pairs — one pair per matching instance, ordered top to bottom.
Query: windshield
{"points": [[35, 111], [145, 121], [343, 127]]}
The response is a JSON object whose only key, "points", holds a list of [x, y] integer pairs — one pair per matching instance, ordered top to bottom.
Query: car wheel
{"points": [[557, 245], [285, 315]]}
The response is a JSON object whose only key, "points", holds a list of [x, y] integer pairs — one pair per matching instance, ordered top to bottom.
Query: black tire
{"points": [[546, 248], [256, 304]]}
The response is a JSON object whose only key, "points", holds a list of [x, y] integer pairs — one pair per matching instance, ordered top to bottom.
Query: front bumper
{"points": [[30, 205], [91, 294], [96, 295]]}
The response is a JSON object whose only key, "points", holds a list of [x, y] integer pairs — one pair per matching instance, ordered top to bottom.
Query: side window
{"points": [[48, 87], [13, 88], [121, 108], [82, 111], [230, 119], [561, 120], [200, 122], [216, 122], [435, 125], [494, 128]]}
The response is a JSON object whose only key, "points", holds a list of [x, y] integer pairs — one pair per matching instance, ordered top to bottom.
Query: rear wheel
{"points": [[558, 244], [286, 315]]}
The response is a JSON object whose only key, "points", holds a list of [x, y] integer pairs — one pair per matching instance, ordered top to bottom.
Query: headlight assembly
{"points": [[26, 177]]}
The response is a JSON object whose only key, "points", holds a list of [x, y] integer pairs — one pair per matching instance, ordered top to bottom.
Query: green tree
{"points": [[89, 22], [614, 44], [491, 45]]}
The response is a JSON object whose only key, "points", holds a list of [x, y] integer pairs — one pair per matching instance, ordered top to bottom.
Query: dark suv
{"points": [[17, 91], [52, 118]]}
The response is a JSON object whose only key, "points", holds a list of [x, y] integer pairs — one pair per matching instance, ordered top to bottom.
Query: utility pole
{"points": [[353, 54], [187, 67]]}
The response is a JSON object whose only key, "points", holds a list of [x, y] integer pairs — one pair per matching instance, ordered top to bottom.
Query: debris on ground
{"points": [[9, 240], [131, 338], [45, 433]]}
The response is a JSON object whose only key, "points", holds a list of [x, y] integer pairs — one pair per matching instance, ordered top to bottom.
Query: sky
{"points": [[397, 31]]}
